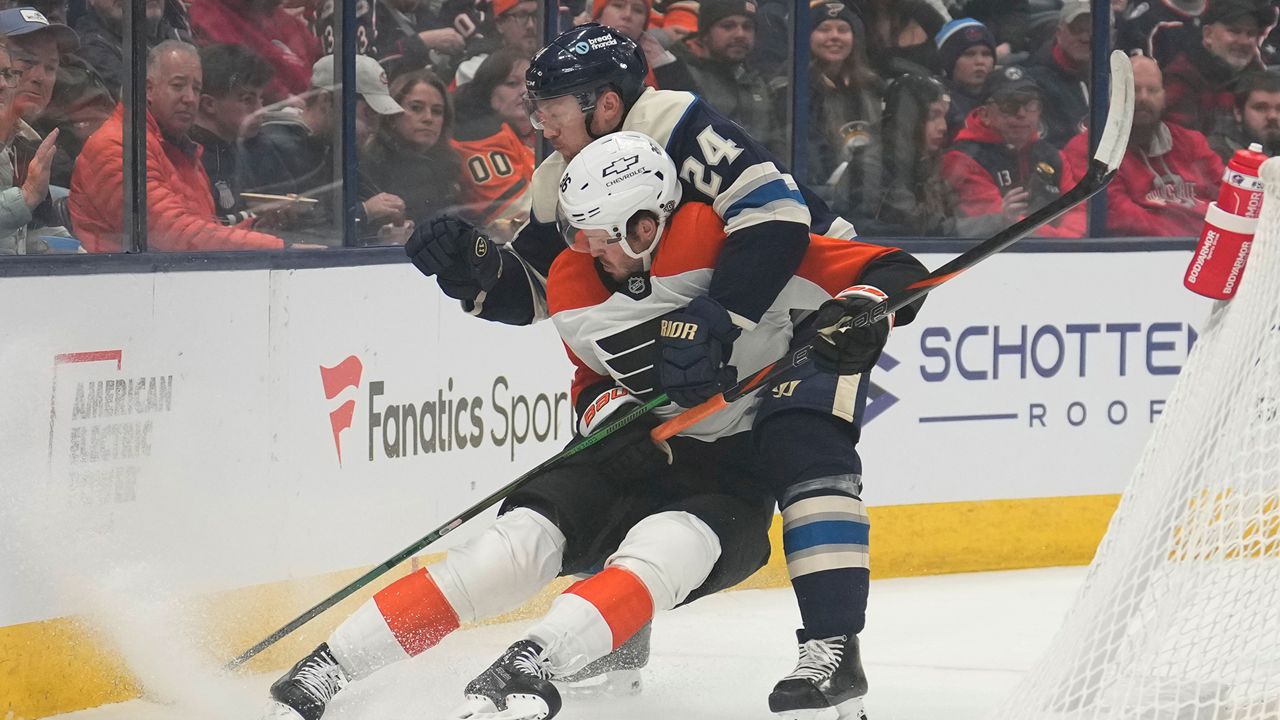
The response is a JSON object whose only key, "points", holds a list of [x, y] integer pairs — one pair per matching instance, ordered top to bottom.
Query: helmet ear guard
{"points": [[608, 183]]}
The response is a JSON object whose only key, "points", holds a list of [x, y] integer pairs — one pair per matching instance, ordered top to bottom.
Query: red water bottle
{"points": [[1229, 224]]}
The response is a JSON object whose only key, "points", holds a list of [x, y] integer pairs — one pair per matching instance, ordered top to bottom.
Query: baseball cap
{"points": [[1072, 9], [713, 11], [1225, 11], [27, 20], [1009, 81], [371, 83]]}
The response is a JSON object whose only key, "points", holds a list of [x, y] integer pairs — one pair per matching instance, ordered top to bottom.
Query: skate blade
{"points": [[615, 684], [519, 707], [851, 709], [280, 711]]}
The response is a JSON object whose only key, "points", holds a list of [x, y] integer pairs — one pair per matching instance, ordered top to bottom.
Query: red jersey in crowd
{"points": [[282, 39], [982, 168], [1162, 190]]}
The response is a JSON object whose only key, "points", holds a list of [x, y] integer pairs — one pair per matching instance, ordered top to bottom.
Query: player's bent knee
{"points": [[672, 553], [496, 571]]}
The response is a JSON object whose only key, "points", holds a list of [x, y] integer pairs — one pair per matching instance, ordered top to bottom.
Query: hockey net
{"points": [[1179, 616]]}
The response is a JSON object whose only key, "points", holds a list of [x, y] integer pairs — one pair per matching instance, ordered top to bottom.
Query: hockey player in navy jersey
{"points": [[673, 523]]}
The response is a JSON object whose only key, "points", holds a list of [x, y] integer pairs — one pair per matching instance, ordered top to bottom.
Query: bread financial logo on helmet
{"points": [[582, 48]]}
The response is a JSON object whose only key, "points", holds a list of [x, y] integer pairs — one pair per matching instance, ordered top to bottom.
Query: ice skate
{"points": [[614, 675], [827, 684], [517, 686], [303, 692]]}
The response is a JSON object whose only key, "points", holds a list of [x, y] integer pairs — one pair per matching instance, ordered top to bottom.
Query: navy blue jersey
{"points": [[768, 215]]}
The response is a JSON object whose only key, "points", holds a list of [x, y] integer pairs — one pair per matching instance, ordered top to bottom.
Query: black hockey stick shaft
{"points": [[1096, 179], [481, 506]]}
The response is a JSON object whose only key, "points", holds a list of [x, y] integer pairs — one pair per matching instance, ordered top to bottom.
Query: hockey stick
{"points": [[1102, 167], [493, 498]]}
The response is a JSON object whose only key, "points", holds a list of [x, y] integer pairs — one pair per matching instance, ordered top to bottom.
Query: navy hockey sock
{"points": [[817, 472]]}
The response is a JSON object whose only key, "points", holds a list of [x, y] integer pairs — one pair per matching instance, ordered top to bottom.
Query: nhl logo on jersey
{"points": [[635, 285]]}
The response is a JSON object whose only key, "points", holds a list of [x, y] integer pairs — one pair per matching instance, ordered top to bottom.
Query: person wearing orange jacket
{"points": [[999, 164], [180, 210]]}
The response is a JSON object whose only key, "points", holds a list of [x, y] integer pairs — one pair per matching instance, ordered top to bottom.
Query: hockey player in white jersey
{"points": [[671, 524]]}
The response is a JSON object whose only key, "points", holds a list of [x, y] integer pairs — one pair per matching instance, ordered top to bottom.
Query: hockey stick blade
{"points": [[1102, 168], [494, 498]]}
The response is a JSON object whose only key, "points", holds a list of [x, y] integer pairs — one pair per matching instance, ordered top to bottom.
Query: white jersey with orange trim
{"points": [[610, 328]]}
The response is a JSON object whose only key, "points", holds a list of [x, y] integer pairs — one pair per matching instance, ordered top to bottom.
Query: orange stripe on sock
{"points": [[622, 599], [416, 611]]}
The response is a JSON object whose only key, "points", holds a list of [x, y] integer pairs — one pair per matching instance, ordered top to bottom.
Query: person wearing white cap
{"points": [[1061, 69], [293, 153]]}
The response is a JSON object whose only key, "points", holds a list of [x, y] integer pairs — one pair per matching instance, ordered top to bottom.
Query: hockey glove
{"points": [[464, 260], [694, 347], [841, 348], [629, 452]]}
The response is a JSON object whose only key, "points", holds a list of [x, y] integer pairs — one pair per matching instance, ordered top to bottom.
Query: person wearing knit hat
{"points": [[630, 17], [514, 24], [968, 53], [716, 58], [844, 93]]}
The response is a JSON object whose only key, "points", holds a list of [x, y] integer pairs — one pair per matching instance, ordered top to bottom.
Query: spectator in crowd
{"points": [[631, 18], [1012, 21], [514, 25], [266, 28], [1160, 28], [101, 30], [727, 34], [901, 35], [404, 36], [36, 47], [967, 51], [1061, 69], [1200, 80], [844, 95], [80, 103], [228, 110], [1257, 117], [495, 145], [292, 154], [411, 154], [999, 165], [1168, 175], [901, 191], [17, 202], [180, 210]]}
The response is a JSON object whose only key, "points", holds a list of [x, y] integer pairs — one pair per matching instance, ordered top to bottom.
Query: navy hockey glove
{"points": [[464, 260], [694, 347], [841, 348], [628, 453]]}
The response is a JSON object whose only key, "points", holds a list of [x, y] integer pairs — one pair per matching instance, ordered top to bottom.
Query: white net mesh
{"points": [[1179, 617]]}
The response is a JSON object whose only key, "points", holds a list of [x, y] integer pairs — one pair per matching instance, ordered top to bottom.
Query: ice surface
{"points": [[939, 648]]}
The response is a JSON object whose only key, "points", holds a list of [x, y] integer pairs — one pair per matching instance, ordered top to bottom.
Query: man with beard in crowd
{"points": [[726, 36], [1199, 82], [1257, 117], [1168, 175]]}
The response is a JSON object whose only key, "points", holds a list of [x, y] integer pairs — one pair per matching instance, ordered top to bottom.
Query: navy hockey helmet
{"points": [[581, 62]]}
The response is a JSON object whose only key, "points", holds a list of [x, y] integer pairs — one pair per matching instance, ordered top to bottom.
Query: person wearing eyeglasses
{"points": [[514, 25], [1000, 164]]}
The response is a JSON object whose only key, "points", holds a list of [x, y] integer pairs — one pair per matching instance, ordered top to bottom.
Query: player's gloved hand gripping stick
{"points": [[1102, 168]]}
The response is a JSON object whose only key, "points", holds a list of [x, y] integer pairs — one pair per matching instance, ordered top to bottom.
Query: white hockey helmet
{"points": [[611, 180]]}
